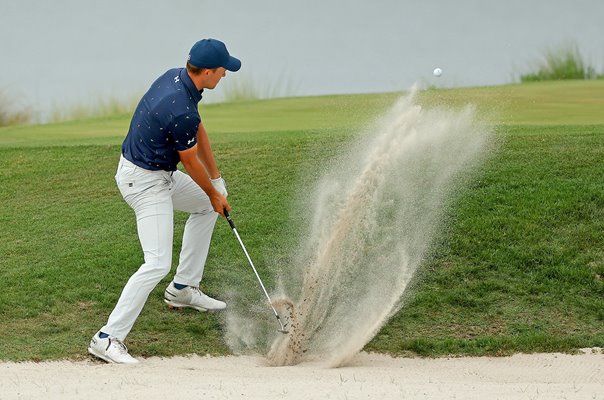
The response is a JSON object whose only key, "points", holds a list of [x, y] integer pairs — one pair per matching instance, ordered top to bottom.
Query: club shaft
{"points": [[257, 275], [270, 302]]}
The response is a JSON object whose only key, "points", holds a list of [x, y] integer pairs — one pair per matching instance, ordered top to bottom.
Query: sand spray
{"points": [[373, 216]]}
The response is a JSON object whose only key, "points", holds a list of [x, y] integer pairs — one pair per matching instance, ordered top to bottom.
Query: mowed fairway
{"points": [[518, 267]]}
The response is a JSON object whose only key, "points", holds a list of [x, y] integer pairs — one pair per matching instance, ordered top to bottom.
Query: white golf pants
{"points": [[154, 195]]}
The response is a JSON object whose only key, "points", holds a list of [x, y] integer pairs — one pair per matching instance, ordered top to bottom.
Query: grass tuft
{"points": [[561, 63], [244, 88], [100, 108], [8, 115]]}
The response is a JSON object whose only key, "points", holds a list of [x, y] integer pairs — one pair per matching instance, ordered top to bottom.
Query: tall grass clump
{"points": [[564, 62], [245, 88], [98, 108], [8, 115]]}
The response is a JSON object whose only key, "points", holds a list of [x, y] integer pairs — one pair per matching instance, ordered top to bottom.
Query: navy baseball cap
{"points": [[212, 53]]}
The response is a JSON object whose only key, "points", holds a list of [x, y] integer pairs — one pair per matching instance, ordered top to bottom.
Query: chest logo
{"points": [[176, 79]]}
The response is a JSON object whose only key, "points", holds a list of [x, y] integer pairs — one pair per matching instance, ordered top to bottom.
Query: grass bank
{"points": [[518, 267]]}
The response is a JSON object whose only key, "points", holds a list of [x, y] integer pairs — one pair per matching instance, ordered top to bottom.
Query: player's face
{"points": [[214, 76]]}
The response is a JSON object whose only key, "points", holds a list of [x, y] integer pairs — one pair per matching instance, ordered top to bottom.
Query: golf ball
{"points": [[437, 72]]}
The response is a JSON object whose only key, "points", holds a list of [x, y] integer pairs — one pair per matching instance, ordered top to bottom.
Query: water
{"points": [[63, 53], [374, 215]]}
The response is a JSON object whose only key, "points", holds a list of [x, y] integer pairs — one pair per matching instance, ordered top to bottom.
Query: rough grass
{"points": [[520, 266]]}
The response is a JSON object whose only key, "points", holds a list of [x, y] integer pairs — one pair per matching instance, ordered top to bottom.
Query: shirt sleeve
{"points": [[184, 131]]}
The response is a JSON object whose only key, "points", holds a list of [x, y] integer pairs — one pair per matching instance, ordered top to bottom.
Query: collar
{"points": [[186, 80]]}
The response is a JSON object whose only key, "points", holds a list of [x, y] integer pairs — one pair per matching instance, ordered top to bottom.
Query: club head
{"points": [[283, 326]]}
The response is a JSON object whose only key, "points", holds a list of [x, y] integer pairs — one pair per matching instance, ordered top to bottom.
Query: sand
{"points": [[369, 376]]}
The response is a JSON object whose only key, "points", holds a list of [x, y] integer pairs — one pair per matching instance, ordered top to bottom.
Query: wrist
{"points": [[220, 185]]}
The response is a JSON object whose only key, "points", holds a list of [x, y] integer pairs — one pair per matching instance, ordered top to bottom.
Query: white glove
{"points": [[220, 185]]}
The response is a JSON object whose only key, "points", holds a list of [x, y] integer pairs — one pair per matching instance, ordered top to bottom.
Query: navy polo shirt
{"points": [[164, 123]]}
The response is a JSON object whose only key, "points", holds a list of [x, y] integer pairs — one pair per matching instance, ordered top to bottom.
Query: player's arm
{"points": [[204, 151], [190, 160]]}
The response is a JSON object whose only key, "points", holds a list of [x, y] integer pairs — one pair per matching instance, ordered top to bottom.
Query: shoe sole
{"points": [[177, 306], [94, 353], [97, 355]]}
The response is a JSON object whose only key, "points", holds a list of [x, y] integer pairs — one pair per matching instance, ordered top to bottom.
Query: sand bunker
{"points": [[369, 376]]}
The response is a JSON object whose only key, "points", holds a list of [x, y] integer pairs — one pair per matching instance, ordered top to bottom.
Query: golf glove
{"points": [[220, 185]]}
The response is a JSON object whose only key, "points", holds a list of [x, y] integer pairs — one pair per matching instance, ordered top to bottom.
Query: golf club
{"points": [[232, 224]]}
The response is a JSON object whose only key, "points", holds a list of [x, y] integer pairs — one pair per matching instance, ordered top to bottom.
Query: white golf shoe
{"points": [[191, 297], [110, 349]]}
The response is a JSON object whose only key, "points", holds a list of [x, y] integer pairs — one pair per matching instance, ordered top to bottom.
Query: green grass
{"points": [[519, 266]]}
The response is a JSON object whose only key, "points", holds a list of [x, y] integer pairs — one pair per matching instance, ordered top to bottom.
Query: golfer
{"points": [[166, 129]]}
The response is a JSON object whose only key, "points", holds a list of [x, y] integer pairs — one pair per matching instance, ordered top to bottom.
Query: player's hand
{"points": [[219, 203]]}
